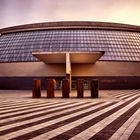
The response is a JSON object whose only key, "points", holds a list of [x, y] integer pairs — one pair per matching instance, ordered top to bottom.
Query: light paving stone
{"points": [[125, 93], [125, 96], [19, 98], [29, 106], [45, 107], [31, 114], [45, 116], [108, 120], [76, 123], [125, 126], [131, 127], [30, 129]]}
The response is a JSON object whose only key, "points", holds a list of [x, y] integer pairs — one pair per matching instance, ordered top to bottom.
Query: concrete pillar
{"points": [[68, 69], [50, 88], [65, 88], [80, 88], [94, 88], [36, 91]]}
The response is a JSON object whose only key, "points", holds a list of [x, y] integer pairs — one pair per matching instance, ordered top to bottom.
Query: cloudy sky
{"points": [[17, 12]]}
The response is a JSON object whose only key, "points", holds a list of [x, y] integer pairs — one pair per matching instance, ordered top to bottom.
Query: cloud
{"points": [[15, 12]]}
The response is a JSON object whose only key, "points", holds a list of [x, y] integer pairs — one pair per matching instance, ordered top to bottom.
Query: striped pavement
{"points": [[114, 116]]}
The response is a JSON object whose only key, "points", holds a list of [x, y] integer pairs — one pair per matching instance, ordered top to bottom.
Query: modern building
{"points": [[109, 52]]}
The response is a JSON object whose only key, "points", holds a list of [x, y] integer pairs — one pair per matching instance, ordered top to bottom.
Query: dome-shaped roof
{"points": [[119, 41]]}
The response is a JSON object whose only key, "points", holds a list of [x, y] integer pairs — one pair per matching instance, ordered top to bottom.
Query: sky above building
{"points": [[17, 12]]}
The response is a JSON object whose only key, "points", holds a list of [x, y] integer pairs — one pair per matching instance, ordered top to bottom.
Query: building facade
{"points": [[109, 52]]}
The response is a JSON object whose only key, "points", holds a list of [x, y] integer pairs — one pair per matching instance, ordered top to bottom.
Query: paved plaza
{"points": [[115, 115]]}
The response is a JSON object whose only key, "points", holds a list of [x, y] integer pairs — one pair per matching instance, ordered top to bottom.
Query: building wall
{"points": [[100, 68], [106, 68], [28, 69], [111, 75]]}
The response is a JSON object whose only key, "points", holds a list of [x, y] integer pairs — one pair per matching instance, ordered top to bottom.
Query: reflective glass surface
{"points": [[118, 45]]}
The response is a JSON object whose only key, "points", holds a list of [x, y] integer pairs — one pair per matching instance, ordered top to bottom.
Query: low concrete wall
{"points": [[104, 82]]}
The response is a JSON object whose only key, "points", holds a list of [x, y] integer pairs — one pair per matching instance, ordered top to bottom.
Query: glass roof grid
{"points": [[118, 43]]}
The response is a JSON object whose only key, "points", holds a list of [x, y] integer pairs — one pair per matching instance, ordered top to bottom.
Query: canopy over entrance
{"points": [[75, 57], [68, 58]]}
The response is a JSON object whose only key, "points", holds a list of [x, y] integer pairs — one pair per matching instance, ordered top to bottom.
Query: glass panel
{"points": [[118, 45]]}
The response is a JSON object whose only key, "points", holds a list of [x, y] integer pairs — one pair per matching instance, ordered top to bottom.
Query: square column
{"points": [[68, 69], [50, 88], [36, 91]]}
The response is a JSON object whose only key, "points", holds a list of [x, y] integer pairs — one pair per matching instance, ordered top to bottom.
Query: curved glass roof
{"points": [[118, 45]]}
